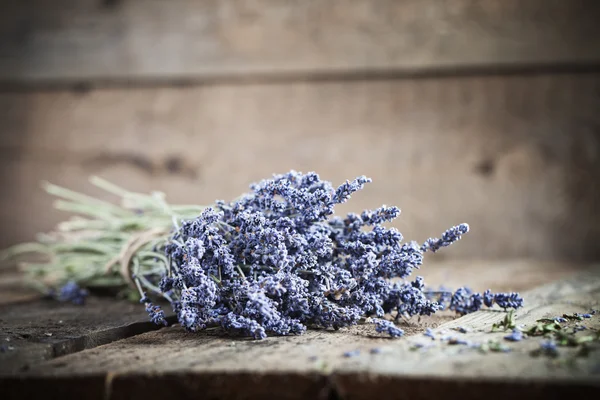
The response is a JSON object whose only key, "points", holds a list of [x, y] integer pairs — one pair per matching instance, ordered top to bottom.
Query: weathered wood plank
{"points": [[71, 41], [517, 157], [34, 331], [170, 361]]}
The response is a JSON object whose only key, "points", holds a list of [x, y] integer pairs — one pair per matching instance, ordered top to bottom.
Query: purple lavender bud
{"points": [[345, 190], [379, 216], [450, 236], [165, 284], [72, 292], [488, 298], [508, 300], [156, 314], [560, 319], [384, 326], [429, 333], [515, 336], [549, 347], [351, 353]]}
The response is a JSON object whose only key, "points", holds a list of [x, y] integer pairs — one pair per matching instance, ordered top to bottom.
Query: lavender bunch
{"points": [[277, 261]]}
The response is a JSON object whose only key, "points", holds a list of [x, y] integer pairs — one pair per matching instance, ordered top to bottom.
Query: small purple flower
{"points": [[343, 193], [450, 236], [72, 292], [157, 315], [585, 315], [560, 319], [384, 326], [429, 333], [515, 336], [549, 347], [351, 353]]}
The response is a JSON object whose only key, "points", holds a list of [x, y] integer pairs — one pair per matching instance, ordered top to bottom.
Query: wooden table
{"points": [[108, 350]]}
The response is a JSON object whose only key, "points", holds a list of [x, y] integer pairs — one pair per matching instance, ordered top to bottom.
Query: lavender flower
{"points": [[450, 236], [275, 261], [71, 292], [508, 300], [465, 301], [156, 314], [384, 326], [429, 333], [515, 336], [549, 347], [351, 353]]}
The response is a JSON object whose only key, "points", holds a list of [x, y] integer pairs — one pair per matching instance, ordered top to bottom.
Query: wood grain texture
{"points": [[90, 40], [517, 157], [25, 323], [37, 330], [170, 361]]}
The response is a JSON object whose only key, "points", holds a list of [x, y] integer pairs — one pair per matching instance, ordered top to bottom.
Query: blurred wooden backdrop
{"points": [[485, 112]]}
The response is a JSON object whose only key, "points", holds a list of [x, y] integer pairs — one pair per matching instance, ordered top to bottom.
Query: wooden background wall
{"points": [[485, 112]]}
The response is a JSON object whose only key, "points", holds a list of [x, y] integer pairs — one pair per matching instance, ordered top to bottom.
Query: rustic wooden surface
{"points": [[71, 41], [517, 157], [37, 330], [170, 362]]}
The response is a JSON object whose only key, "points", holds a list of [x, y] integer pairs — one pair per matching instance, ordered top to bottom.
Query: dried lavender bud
{"points": [[379, 216], [450, 236], [71, 292], [508, 300], [465, 301], [156, 314], [560, 319], [384, 326], [515, 336], [549, 347], [352, 353]]}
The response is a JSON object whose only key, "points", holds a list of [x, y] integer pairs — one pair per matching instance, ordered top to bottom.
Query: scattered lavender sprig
{"points": [[276, 260], [70, 292], [515, 336]]}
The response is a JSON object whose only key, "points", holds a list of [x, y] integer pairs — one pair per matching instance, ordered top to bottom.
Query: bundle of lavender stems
{"points": [[275, 260]]}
